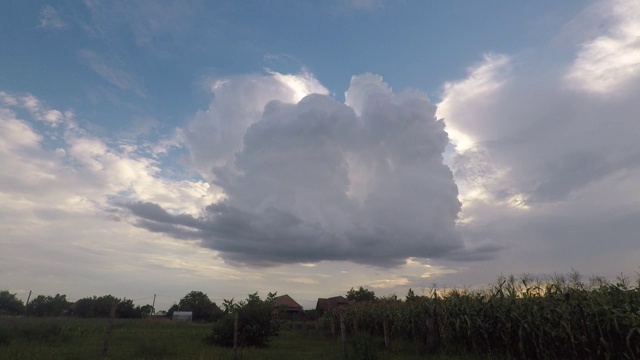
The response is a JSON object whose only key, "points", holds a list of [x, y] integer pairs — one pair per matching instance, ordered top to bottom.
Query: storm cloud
{"points": [[316, 179]]}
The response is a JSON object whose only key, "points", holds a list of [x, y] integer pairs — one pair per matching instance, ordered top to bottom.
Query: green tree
{"points": [[361, 295], [10, 304], [48, 305], [200, 305], [91, 307], [127, 310], [147, 310], [171, 310], [255, 322]]}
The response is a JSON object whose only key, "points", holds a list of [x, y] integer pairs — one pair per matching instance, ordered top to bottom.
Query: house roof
{"points": [[287, 302], [332, 302]]}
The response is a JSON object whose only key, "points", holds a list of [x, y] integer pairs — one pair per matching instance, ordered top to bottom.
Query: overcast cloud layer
{"points": [[313, 180]]}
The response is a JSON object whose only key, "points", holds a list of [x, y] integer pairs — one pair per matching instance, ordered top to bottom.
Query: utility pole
{"points": [[27, 304], [154, 304]]}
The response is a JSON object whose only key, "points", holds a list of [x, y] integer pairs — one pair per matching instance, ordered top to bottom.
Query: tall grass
{"points": [[525, 318], [144, 339]]}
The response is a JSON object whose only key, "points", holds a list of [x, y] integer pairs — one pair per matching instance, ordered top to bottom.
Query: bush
{"points": [[10, 304], [48, 306], [100, 307], [255, 322]]}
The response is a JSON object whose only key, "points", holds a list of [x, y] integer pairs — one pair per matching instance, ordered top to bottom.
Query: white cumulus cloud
{"points": [[316, 179]]}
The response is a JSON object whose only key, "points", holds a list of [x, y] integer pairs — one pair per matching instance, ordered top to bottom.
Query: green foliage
{"points": [[361, 295], [411, 296], [10, 304], [199, 304], [48, 306], [91, 307], [100, 307], [127, 310], [147, 310], [171, 310], [311, 315], [563, 318], [255, 322], [34, 331], [75, 338], [162, 339], [365, 347]]}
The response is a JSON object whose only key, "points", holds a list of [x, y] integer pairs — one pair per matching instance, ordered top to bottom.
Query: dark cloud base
{"points": [[243, 238]]}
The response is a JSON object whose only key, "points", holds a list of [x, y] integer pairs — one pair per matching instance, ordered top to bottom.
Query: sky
{"points": [[159, 147]]}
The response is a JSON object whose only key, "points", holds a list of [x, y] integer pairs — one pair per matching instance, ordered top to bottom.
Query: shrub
{"points": [[10, 304], [48, 306], [91, 307], [255, 322]]}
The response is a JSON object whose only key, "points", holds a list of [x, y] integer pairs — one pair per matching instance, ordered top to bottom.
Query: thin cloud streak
{"points": [[50, 19], [111, 72]]}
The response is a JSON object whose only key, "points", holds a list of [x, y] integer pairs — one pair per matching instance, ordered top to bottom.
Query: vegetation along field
{"points": [[525, 318]]}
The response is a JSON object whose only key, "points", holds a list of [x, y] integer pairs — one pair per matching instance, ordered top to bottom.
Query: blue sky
{"points": [[117, 61], [308, 147]]}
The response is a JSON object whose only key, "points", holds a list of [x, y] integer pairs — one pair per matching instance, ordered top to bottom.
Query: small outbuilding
{"points": [[182, 316]]}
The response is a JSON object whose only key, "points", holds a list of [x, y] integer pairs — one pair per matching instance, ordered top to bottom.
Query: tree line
{"points": [[100, 307]]}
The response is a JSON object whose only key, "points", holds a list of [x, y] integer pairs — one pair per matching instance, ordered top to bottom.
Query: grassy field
{"points": [[72, 338]]}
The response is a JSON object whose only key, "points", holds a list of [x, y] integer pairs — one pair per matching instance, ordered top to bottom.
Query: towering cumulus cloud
{"points": [[315, 179]]}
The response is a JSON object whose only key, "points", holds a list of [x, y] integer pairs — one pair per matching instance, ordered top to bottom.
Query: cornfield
{"points": [[525, 318]]}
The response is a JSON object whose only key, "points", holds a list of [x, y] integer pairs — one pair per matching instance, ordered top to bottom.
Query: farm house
{"points": [[331, 303], [285, 306]]}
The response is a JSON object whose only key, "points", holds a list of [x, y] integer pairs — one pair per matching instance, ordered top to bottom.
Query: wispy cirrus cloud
{"points": [[50, 19], [110, 70]]}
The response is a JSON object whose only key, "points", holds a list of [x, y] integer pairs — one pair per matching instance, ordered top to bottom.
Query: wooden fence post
{"points": [[355, 325], [333, 327], [385, 327], [107, 333], [343, 334], [235, 335]]}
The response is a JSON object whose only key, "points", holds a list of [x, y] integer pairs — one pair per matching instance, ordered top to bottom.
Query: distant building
{"points": [[331, 303], [285, 306], [182, 316]]}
